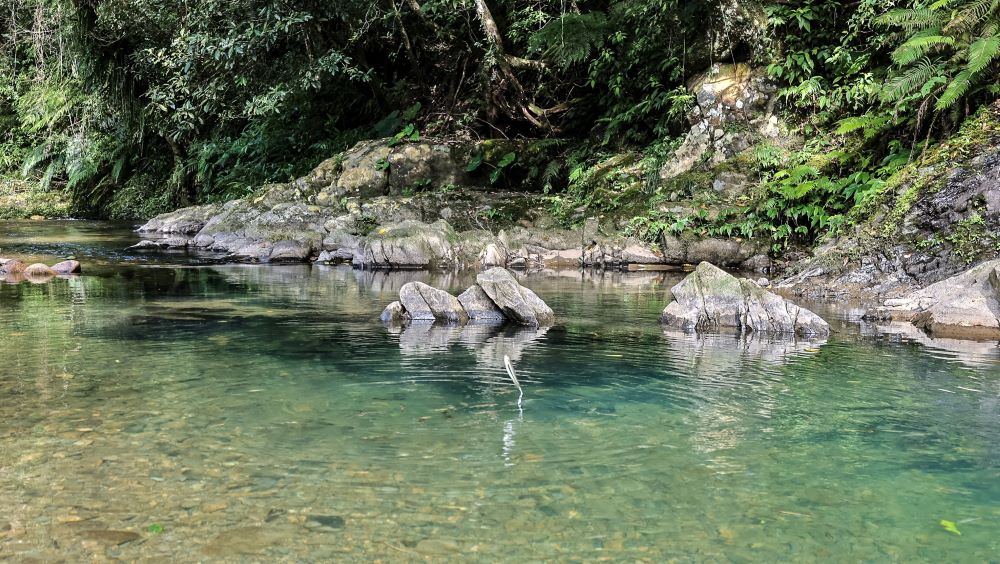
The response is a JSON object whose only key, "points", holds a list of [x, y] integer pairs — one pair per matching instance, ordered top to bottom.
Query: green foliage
{"points": [[570, 39], [949, 53]]}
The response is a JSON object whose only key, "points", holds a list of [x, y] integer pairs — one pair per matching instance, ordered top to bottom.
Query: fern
{"points": [[969, 17], [911, 20], [571, 38], [919, 44], [982, 53], [911, 80], [954, 91], [869, 125]]}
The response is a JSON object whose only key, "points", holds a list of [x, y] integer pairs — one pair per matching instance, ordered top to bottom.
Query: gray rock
{"points": [[187, 221], [203, 240], [409, 244], [290, 251], [67, 267], [710, 299], [517, 302], [426, 303], [479, 306], [963, 306], [394, 313]]}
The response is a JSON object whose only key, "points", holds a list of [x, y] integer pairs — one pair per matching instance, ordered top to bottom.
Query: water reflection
{"points": [[263, 413]]}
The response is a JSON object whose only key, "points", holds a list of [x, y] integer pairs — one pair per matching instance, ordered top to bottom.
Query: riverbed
{"points": [[167, 406]]}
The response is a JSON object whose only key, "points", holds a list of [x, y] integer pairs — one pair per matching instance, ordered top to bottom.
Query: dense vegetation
{"points": [[135, 106]]}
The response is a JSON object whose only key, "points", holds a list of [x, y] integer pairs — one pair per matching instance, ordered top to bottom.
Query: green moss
{"points": [[900, 209], [971, 240]]}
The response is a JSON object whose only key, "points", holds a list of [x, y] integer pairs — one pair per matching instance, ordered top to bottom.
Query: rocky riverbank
{"points": [[384, 205], [334, 215]]}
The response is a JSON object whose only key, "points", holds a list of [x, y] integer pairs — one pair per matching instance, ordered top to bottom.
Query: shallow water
{"points": [[152, 409]]}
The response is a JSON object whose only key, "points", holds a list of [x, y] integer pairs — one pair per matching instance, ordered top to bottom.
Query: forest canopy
{"points": [[134, 106]]}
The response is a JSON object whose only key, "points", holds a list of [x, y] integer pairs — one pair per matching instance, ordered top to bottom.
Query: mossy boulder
{"points": [[710, 299]]}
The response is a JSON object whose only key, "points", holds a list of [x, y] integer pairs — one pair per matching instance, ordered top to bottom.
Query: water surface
{"points": [[161, 406]]}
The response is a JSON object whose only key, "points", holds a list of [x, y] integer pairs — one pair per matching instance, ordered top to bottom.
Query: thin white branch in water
{"points": [[513, 378]]}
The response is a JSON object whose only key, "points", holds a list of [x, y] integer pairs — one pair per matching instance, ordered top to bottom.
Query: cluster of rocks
{"points": [[360, 207], [14, 271], [496, 297], [710, 299]]}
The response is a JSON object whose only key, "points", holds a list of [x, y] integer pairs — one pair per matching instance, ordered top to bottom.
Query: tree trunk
{"points": [[503, 79], [183, 189]]}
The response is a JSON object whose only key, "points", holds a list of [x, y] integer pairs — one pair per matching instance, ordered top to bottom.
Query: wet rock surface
{"points": [[710, 299], [517, 302], [425, 303]]}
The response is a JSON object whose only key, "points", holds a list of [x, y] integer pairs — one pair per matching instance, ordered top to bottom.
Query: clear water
{"points": [[152, 409]]}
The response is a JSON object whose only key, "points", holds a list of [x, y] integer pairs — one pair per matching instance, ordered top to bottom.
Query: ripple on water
{"points": [[241, 408]]}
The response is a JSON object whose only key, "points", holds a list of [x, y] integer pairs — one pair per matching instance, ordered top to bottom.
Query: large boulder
{"points": [[733, 110], [409, 244], [67, 267], [710, 299], [517, 302], [426, 303], [479, 306], [963, 306]]}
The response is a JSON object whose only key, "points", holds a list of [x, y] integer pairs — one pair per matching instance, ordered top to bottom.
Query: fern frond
{"points": [[969, 17], [911, 19], [571, 38], [919, 44], [982, 52], [911, 80], [955, 90], [869, 124]]}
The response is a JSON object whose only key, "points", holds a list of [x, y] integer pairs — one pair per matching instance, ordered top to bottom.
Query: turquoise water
{"points": [[162, 406]]}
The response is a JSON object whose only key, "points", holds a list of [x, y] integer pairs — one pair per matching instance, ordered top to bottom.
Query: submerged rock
{"points": [[711, 299], [517, 302], [963, 306]]}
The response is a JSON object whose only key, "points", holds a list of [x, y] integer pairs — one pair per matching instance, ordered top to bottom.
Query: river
{"points": [[167, 406]]}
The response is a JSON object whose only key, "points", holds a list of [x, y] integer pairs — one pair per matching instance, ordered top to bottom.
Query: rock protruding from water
{"points": [[67, 267], [13, 271], [497, 297], [710, 299], [517, 302], [426, 303], [479, 306], [963, 306]]}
